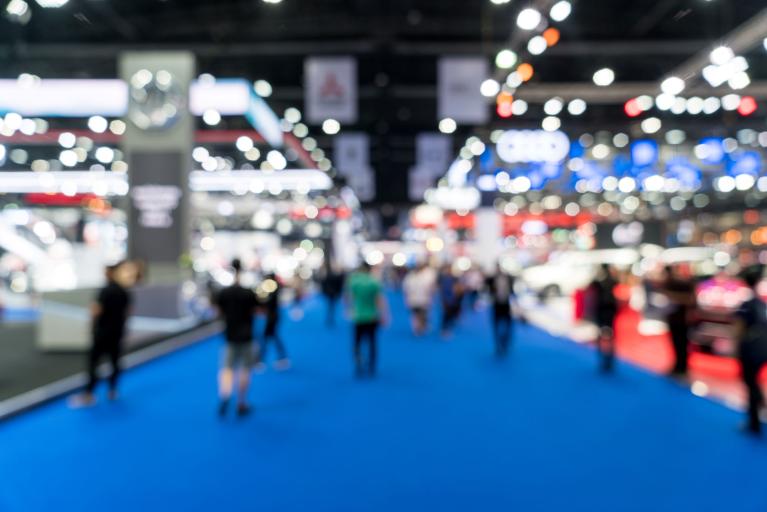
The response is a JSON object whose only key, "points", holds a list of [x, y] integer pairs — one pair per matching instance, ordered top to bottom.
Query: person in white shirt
{"points": [[419, 292]]}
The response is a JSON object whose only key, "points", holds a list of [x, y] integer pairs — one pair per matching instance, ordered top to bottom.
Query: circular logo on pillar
{"points": [[156, 100]]}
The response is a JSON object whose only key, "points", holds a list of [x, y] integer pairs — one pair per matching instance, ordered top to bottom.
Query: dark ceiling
{"points": [[397, 43]]}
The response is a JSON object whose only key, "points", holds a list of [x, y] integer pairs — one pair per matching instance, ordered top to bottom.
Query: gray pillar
{"points": [[158, 147]]}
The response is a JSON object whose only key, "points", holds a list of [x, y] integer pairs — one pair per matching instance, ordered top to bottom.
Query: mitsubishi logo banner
{"points": [[331, 89]]}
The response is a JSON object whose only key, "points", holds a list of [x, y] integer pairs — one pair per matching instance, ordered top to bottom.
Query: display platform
{"points": [[445, 426]]}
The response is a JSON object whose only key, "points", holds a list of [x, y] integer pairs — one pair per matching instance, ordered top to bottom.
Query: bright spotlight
{"points": [[52, 3], [560, 10], [528, 19], [537, 45], [721, 55], [505, 59], [604, 77], [672, 85], [262, 88], [490, 88], [576, 107], [447, 125], [331, 126]]}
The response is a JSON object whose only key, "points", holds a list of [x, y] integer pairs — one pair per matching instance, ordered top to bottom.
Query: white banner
{"points": [[460, 79], [331, 89], [433, 151], [351, 153], [420, 179], [363, 183]]}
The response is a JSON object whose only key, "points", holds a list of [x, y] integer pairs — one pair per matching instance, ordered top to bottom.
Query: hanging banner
{"points": [[460, 79], [331, 89], [433, 151], [351, 153], [420, 179], [363, 183]]}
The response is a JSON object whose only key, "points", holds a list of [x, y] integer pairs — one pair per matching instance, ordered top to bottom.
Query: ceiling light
{"points": [[561, 10], [528, 19], [537, 45], [721, 55], [505, 59], [604, 77], [514, 80], [739, 80], [672, 85], [262, 88], [490, 88], [664, 101], [730, 102], [694, 105], [711, 105], [553, 106], [519, 107], [576, 107], [292, 115], [211, 117], [98, 124], [551, 124], [447, 125], [651, 125], [331, 126], [68, 140], [244, 143], [276, 159]]}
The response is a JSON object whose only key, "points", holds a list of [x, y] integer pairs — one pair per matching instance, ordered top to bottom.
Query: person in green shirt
{"points": [[364, 297]]}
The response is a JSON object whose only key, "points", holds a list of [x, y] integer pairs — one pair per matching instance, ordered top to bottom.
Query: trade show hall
{"points": [[383, 255], [444, 425]]}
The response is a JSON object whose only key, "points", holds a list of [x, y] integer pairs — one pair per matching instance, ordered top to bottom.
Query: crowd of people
{"points": [[427, 290]]}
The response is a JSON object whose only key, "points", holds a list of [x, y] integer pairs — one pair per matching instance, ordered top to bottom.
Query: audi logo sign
{"points": [[526, 146]]}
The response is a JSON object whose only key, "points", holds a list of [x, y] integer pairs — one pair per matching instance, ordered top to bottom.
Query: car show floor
{"points": [[445, 425]]}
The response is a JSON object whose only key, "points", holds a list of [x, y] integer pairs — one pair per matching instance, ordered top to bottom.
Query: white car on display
{"points": [[34, 256], [568, 271]]}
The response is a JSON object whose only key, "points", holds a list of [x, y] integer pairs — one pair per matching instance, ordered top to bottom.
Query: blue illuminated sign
{"points": [[711, 151], [644, 153], [747, 162]]}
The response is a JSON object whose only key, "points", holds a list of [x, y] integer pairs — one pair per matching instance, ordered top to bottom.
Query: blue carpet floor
{"points": [[444, 427]]}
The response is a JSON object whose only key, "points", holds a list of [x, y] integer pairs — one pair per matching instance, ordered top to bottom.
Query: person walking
{"points": [[418, 287], [500, 287], [332, 288], [681, 294], [451, 295], [269, 296], [237, 305], [601, 309], [368, 311], [109, 315], [751, 332]]}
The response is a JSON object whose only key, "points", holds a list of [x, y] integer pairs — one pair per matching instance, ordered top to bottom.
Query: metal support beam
{"points": [[741, 40]]}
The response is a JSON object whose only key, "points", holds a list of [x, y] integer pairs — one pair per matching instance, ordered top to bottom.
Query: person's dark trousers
{"points": [[450, 314], [330, 319], [502, 327], [678, 331], [365, 332], [271, 335], [109, 347], [606, 348], [751, 362]]}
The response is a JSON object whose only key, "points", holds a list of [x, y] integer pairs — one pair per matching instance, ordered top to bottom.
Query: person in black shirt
{"points": [[332, 288], [501, 289], [681, 293], [269, 297], [237, 306], [603, 309], [109, 315], [751, 331]]}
